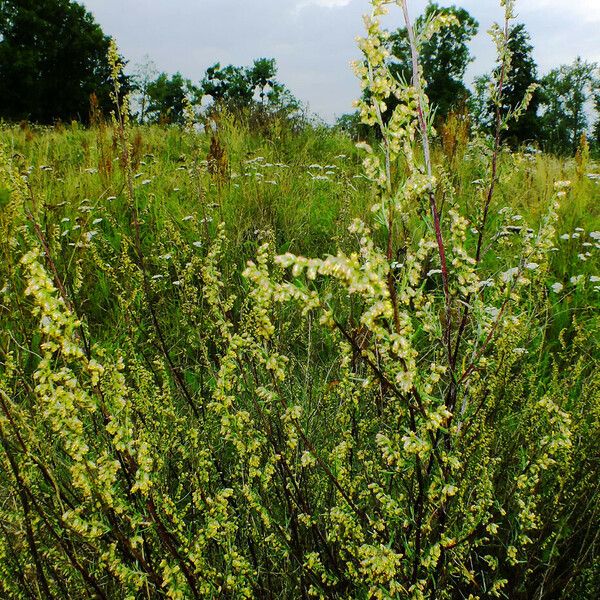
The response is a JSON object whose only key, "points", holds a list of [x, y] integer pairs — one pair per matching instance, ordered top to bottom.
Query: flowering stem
{"points": [[427, 157], [492, 186]]}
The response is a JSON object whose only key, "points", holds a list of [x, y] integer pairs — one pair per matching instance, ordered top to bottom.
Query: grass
{"points": [[174, 322]]}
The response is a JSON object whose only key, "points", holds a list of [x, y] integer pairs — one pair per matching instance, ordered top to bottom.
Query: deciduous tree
{"points": [[53, 56], [444, 56]]}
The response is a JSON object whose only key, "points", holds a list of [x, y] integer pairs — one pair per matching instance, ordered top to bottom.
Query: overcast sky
{"points": [[313, 40]]}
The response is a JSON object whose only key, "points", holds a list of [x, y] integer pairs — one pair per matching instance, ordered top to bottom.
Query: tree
{"points": [[53, 56], [444, 57], [523, 74], [143, 75], [262, 76], [227, 85], [239, 87], [564, 94], [166, 98], [596, 135]]}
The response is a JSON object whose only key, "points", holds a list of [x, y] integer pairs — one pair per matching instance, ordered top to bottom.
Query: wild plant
{"points": [[395, 420]]}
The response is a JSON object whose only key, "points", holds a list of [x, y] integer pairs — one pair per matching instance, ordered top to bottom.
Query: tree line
{"points": [[53, 59]]}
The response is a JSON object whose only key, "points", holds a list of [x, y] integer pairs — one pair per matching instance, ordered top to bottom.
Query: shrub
{"points": [[398, 419]]}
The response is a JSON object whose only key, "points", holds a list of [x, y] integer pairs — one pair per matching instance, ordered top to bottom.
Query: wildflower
{"points": [[146, 181], [562, 184], [110, 198], [188, 218], [96, 221], [595, 235], [565, 236], [197, 244], [581, 256], [532, 266], [509, 274], [594, 278], [576, 279], [557, 287], [492, 311]]}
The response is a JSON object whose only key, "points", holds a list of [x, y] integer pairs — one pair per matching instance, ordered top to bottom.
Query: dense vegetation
{"points": [[247, 358]]}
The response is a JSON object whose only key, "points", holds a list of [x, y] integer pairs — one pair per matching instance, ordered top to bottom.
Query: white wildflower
{"points": [[562, 184], [509, 275]]}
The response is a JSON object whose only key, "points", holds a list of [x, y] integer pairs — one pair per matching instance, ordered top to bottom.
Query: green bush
{"points": [[191, 408]]}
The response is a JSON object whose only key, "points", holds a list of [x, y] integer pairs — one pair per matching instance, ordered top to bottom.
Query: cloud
{"points": [[323, 3], [586, 10]]}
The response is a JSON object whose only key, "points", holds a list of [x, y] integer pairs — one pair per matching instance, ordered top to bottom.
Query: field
{"points": [[249, 357], [154, 438]]}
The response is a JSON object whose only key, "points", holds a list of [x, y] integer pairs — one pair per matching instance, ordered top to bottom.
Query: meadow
{"points": [[245, 359]]}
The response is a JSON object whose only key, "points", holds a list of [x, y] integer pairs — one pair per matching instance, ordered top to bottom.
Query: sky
{"points": [[313, 41]]}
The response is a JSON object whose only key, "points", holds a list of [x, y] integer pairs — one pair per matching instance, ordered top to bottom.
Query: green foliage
{"points": [[444, 56], [52, 59], [522, 77], [238, 87], [565, 93], [166, 99], [597, 108], [240, 382]]}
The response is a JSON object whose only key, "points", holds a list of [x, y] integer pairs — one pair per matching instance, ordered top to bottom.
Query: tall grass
{"points": [[192, 408]]}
